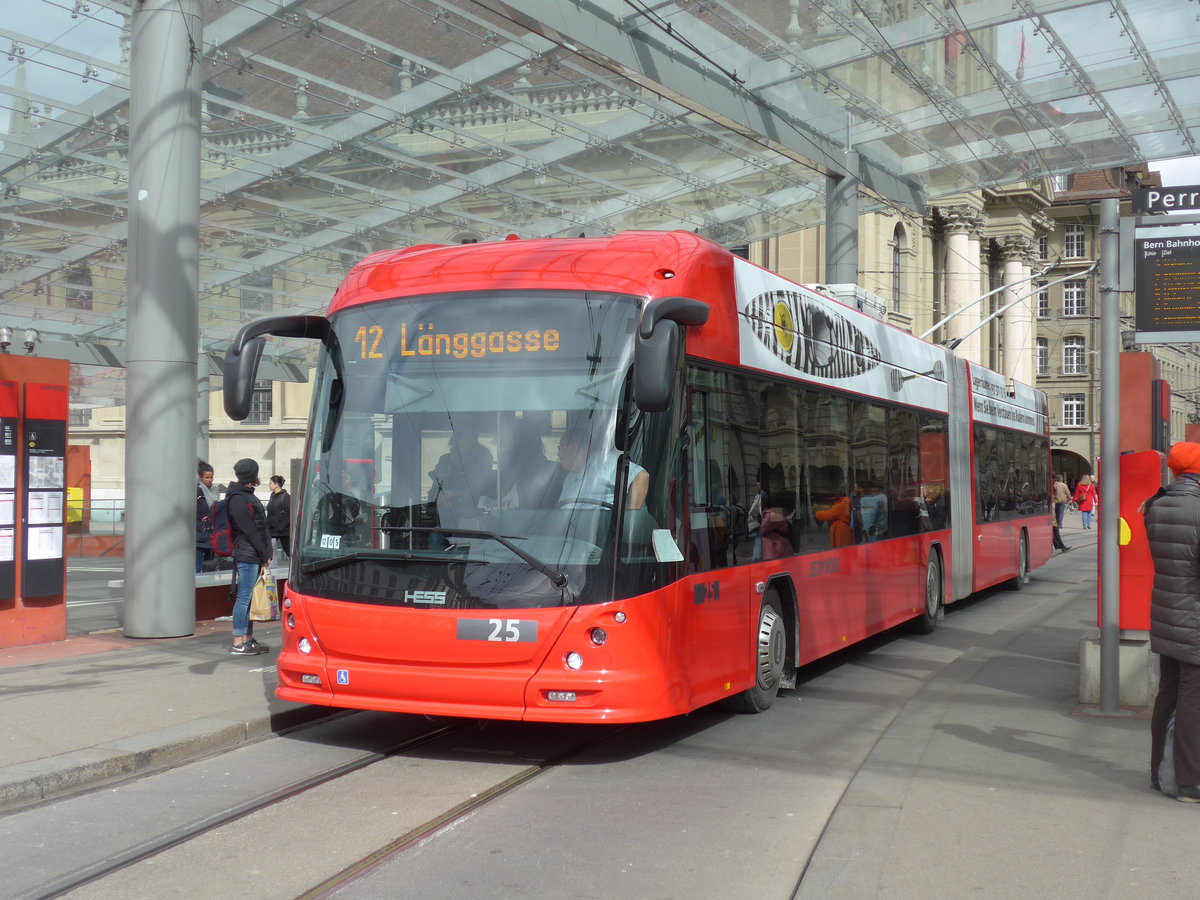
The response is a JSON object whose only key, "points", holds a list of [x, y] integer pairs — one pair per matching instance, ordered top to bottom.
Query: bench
{"points": [[212, 591]]}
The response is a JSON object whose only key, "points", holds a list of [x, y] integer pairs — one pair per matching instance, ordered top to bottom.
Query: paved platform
{"points": [[99, 707]]}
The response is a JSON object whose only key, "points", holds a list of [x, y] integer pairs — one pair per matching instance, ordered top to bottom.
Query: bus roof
{"points": [[640, 263]]}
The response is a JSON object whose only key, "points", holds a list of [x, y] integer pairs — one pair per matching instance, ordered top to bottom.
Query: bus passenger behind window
{"points": [[462, 475], [527, 478], [591, 479], [873, 510], [838, 517], [776, 531]]}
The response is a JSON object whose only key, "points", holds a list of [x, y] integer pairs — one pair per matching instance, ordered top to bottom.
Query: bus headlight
{"points": [[598, 636], [574, 660]]}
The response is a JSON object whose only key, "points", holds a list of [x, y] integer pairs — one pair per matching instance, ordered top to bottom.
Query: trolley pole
{"points": [[1110, 452]]}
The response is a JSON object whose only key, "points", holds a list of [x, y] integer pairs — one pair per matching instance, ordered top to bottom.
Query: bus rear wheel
{"points": [[1018, 581], [927, 621], [770, 658]]}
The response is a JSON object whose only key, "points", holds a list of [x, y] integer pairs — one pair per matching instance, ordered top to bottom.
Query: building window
{"points": [[1059, 183], [1073, 242], [1043, 247], [79, 287], [255, 292], [1075, 297], [1043, 301], [1073, 356], [1041, 357], [260, 404], [1073, 410], [80, 418]]}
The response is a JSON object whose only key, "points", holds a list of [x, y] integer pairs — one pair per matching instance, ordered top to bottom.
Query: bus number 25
{"points": [[505, 630]]}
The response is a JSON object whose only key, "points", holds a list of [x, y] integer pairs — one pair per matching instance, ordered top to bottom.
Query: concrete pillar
{"points": [[841, 227], [163, 324], [1019, 338]]}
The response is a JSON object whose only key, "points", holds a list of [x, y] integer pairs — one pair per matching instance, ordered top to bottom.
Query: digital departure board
{"points": [[1167, 261]]}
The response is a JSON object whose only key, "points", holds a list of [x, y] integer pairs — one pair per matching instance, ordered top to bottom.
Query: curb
{"points": [[82, 770]]}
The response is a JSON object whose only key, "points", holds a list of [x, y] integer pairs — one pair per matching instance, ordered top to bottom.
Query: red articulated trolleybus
{"points": [[529, 486]]}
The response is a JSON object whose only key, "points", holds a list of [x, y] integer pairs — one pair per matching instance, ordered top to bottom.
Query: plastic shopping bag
{"points": [[264, 602]]}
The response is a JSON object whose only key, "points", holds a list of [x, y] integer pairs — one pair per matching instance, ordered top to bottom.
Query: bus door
{"points": [[717, 596]]}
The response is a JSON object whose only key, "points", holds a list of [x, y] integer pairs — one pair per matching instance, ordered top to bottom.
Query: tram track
{"points": [[448, 741], [151, 848], [367, 863]]}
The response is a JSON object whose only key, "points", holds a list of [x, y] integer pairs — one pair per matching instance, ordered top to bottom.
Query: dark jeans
{"points": [[1060, 510], [1178, 690]]}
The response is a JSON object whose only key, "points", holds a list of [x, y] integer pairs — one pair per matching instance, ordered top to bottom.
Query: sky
{"points": [[1176, 172]]}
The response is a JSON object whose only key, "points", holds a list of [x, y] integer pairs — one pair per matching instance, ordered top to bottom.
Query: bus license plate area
{"points": [[504, 631]]}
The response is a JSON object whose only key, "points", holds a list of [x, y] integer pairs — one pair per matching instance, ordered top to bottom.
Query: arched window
{"points": [[899, 245]]}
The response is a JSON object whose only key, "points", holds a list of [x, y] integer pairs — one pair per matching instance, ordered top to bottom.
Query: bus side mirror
{"points": [[657, 346], [244, 354], [240, 372]]}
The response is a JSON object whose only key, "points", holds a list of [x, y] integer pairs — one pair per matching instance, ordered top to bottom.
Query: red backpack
{"points": [[220, 525]]}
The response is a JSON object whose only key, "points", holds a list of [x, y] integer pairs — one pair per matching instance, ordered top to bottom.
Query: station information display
{"points": [[1167, 273], [9, 411], [45, 448]]}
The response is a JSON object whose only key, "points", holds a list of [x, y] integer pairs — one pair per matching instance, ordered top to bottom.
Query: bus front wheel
{"points": [[769, 660]]}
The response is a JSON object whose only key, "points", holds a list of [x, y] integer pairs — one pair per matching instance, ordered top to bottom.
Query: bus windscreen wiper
{"points": [[344, 559], [558, 579]]}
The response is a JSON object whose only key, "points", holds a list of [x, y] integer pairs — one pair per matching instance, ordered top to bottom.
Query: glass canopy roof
{"points": [[333, 128]]}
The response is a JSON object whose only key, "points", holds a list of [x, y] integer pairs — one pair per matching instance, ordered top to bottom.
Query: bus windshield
{"points": [[464, 453]]}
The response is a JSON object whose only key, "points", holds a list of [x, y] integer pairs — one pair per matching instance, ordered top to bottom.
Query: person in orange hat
{"points": [[1173, 527]]}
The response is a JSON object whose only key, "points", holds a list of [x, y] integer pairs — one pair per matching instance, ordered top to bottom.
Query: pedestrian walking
{"points": [[206, 496], [1086, 498], [1062, 499], [279, 515], [1172, 519], [251, 551]]}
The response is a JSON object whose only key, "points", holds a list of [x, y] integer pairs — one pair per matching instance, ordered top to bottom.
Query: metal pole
{"points": [[163, 325], [1110, 432]]}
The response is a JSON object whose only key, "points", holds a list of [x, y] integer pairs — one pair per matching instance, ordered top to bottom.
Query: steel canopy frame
{"points": [[589, 31]]}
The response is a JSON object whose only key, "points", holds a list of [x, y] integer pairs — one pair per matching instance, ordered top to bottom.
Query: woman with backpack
{"points": [[251, 551]]}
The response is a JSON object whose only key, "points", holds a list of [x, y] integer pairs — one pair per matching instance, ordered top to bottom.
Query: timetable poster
{"points": [[9, 418], [44, 440]]}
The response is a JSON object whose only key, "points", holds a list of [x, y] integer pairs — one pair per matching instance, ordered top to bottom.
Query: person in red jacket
{"points": [[1086, 498]]}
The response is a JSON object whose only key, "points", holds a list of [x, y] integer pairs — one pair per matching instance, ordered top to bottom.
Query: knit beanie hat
{"points": [[1184, 457], [246, 470]]}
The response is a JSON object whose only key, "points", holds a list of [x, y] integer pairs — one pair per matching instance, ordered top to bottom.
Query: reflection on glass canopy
{"points": [[332, 129]]}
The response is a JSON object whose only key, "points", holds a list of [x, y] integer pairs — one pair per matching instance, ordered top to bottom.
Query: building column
{"points": [[1017, 252], [962, 279], [162, 322]]}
